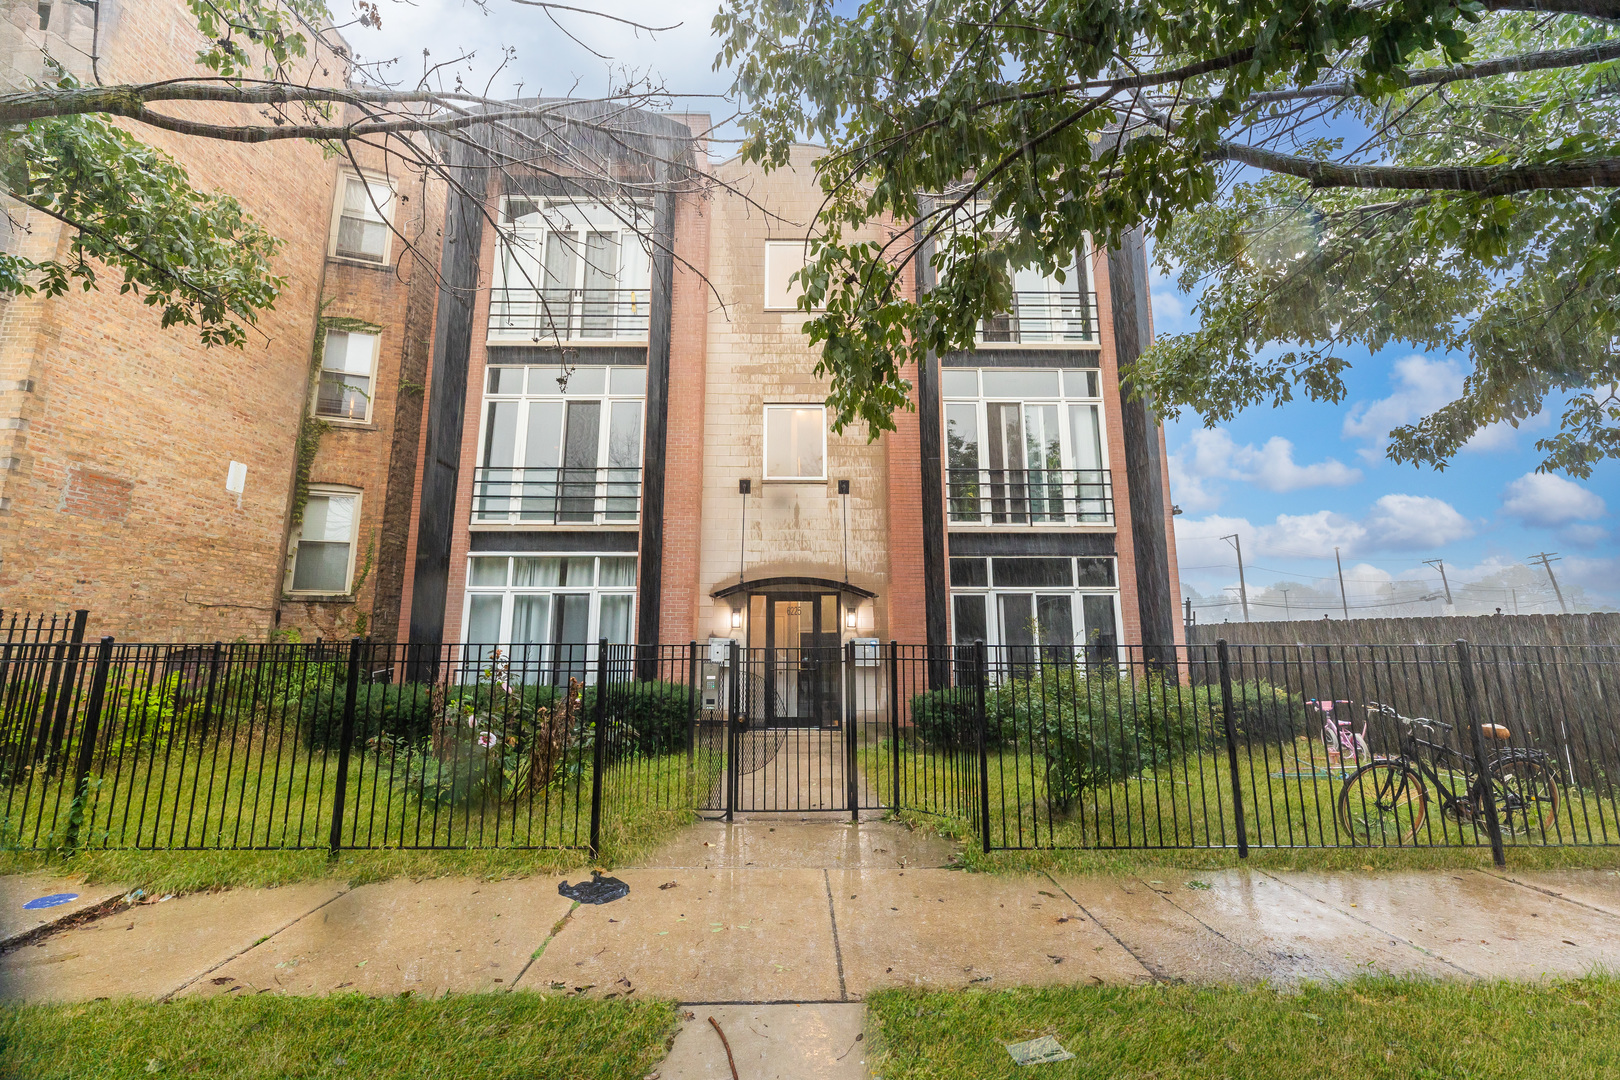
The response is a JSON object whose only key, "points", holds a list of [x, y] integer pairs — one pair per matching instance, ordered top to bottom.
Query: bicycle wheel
{"points": [[1526, 794], [1383, 805]]}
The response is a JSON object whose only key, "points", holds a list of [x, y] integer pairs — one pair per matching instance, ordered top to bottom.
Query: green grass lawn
{"points": [[645, 800], [1182, 814], [1375, 1028], [513, 1036]]}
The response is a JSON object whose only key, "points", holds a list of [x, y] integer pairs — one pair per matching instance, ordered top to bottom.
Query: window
{"points": [[362, 230], [783, 259], [572, 271], [347, 364], [795, 442], [1025, 447], [559, 450], [323, 553], [1053, 610], [543, 611]]}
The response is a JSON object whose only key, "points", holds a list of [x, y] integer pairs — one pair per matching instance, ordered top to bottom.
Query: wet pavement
{"points": [[779, 929]]}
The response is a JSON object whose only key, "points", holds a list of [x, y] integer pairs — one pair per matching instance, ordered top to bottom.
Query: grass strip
{"points": [[1369, 1028], [468, 1037]]}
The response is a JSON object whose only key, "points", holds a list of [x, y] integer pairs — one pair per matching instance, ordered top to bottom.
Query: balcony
{"points": [[546, 315], [1044, 318], [558, 496], [1020, 497]]}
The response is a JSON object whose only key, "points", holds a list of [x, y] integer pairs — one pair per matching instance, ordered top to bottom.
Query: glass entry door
{"points": [[799, 635]]}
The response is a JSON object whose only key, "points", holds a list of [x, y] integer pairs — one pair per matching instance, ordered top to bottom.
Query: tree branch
{"points": [[1596, 9], [1536, 61], [1480, 179]]}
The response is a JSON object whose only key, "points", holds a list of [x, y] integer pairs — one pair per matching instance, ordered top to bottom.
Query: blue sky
{"points": [[1292, 482]]}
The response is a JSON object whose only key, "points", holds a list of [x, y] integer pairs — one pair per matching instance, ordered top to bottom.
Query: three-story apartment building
{"points": [[626, 439]]}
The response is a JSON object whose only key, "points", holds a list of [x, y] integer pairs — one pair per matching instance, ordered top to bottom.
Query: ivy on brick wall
{"points": [[312, 427]]}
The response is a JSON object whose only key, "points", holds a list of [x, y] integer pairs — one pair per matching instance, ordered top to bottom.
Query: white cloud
{"points": [[1423, 385], [1211, 456], [1549, 500], [1408, 522], [1585, 535]]}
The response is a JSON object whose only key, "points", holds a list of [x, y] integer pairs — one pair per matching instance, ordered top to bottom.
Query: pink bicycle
{"points": [[1339, 733]]}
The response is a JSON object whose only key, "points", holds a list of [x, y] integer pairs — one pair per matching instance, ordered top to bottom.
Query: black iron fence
{"points": [[330, 745], [361, 745]]}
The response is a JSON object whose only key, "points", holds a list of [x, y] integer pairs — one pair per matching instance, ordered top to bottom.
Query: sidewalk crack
{"points": [[556, 928], [838, 952]]}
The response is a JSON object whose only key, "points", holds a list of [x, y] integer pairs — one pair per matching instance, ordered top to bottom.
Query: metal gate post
{"points": [[981, 677], [734, 680], [694, 694], [1475, 721], [894, 722], [345, 737], [87, 744], [1231, 748], [598, 750], [852, 787]]}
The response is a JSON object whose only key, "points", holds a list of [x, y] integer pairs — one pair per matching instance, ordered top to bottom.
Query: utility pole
{"points": [[1546, 559], [1441, 563], [1243, 588], [1343, 599], [1288, 612]]}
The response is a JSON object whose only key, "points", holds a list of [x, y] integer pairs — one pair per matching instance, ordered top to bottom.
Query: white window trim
{"points": [[344, 176], [770, 303], [371, 398], [764, 445], [354, 543], [509, 591], [1076, 594]]}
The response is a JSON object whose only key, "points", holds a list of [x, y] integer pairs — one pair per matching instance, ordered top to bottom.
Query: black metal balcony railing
{"points": [[570, 314], [1041, 318], [513, 496], [1030, 496]]}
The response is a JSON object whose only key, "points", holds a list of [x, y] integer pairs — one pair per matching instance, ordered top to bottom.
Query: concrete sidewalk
{"points": [[759, 913]]}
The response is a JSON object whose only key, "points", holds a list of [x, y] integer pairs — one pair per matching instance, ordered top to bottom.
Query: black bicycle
{"points": [[1385, 803]]}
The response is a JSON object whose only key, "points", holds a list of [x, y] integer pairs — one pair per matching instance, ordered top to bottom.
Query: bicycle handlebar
{"points": [[1389, 710]]}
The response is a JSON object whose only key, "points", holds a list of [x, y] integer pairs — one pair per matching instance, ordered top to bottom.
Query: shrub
{"points": [[1261, 712], [402, 713], [649, 717]]}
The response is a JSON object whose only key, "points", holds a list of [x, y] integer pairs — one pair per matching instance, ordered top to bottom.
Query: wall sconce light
{"points": [[736, 618], [851, 618]]}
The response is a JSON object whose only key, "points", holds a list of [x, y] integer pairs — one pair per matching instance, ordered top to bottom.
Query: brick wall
{"points": [[140, 424]]}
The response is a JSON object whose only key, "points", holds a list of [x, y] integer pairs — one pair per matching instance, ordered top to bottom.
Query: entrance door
{"points": [[801, 660]]}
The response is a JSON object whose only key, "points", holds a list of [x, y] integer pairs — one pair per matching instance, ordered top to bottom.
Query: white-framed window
{"points": [[364, 207], [783, 259], [571, 271], [348, 372], [795, 442], [1025, 446], [559, 452], [323, 550], [1058, 608], [544, 611]]}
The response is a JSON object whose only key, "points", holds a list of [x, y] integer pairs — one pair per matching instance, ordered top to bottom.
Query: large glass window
{"points": [[571, 270], [348, 365], [795, 442], [560, 447], [1025, 447], [323, 550], [1052, 609], [542, 612]]}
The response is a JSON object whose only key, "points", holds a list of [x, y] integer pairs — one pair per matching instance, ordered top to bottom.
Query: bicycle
{"points": [[1339, 734], [1386, 801]]}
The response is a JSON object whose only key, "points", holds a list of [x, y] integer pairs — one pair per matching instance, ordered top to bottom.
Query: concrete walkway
{"points": [[777, 928]]}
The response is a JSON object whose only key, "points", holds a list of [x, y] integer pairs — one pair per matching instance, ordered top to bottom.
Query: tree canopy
{"points": [[1324, 173]]}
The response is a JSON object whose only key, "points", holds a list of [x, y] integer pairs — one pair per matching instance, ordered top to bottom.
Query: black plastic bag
{"points": [[598, 890]]}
